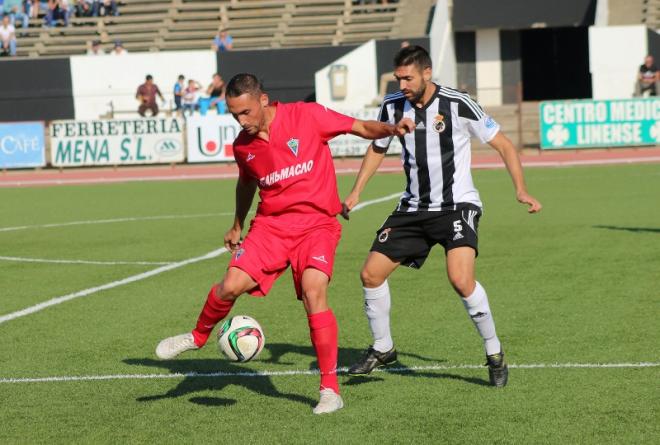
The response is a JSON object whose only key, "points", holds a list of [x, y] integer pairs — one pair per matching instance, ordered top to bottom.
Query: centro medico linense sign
{"points": [[600, 123], [116, 142]]}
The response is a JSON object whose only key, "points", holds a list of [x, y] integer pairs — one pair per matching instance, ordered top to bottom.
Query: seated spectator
{"points": [[107, 7], [86, 8], [15, 10], [58, 10], [7, 37], [222, 42], [95, 48], [119, 49], [647, 78], [178, 93], [216, 93], [146, 94], [190, 98]]}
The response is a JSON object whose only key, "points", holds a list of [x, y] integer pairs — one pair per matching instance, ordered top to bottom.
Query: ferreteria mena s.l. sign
{"points": [[116, 142]]}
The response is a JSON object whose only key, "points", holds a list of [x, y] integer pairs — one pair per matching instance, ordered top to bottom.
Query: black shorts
{"points": [[407, 237]]}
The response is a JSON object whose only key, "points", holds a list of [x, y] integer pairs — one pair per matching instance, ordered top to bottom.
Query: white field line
{"points": [[193, 176], [114, 220], [103, 263], [139, 277], [111, 285], [296, 372]]}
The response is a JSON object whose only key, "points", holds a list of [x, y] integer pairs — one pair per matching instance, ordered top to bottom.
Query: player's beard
{"points": [[417, 95]]}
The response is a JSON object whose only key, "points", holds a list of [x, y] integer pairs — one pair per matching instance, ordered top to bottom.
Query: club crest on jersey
{"points": [[439, 123], [293, 146], [382, 237], [239, 253]]}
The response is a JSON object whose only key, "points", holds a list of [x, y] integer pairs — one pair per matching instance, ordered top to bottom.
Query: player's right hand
{"points": [[405, 126], [348, 204], [233, 239]]}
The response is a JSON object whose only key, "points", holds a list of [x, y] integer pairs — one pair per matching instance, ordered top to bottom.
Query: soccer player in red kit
{"points": [[283, 151]]}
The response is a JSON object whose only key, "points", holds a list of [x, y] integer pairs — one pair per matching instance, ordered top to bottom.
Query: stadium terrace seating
{"points": [[651, 13], [157, 25]]}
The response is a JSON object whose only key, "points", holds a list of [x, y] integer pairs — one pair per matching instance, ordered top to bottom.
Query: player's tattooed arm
{"points": [[378, 130], [509, 155], [245, 190]]}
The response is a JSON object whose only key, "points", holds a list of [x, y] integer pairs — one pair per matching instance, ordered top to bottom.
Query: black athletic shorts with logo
{"points": [[407, 237]]}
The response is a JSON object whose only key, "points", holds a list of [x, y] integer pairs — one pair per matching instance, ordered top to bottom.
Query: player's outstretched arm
{"points": [[378, 130], [509, 155], [370, 163], [245, 190]]}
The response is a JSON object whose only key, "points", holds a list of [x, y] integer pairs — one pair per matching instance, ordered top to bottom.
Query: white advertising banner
{"points": [[210, 138], [116, 142], [349, 145]]}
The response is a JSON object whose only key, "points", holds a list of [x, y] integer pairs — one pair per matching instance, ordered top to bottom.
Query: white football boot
{"points": [[173, 346], [330, 401]]}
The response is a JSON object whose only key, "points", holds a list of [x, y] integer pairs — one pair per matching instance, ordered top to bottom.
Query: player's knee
{"points": [[370, 279], [463, 284], [229, 290]]}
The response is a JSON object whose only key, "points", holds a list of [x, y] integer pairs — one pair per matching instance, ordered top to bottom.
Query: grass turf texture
{"points": [[575, 284]]}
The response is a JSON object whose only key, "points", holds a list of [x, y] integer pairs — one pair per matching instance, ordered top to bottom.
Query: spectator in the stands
{"points": [[107, 7], [86, 8], [15, 9], [58, 10], [7, 37], [223, 41], [95, 48], [119, 49], [648, 77], [179, 86], [216, 92], [146, 94], [190, 99]]}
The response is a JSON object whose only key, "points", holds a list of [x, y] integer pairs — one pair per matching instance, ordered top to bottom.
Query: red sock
{"points": [[214, 310], [323, 332]]}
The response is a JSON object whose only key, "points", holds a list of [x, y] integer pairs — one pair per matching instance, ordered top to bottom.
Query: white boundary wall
{"points": [[615, 54], [99, 80]]}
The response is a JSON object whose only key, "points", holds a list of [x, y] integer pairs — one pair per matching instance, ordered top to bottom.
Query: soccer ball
{"points": [[241, 338]]}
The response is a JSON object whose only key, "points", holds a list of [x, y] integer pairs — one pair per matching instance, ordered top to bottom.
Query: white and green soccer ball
{"points": [[241, 338]]}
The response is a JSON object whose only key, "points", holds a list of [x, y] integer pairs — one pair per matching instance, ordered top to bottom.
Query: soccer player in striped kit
{"points": [[283, 150], [439, 206]]}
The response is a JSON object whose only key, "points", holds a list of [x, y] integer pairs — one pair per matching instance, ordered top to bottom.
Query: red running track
{"points": [[177, 172]]}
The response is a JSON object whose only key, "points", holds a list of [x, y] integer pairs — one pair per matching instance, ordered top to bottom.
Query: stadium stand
{"points": [[651, 13], [157, 25]]}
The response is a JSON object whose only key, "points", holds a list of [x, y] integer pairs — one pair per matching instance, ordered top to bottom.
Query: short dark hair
{"points": [[413, 54], [150, 77], [181, 77], [244, 83]]}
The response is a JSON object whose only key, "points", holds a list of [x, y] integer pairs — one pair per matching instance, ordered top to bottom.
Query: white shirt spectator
{"points": [[7, 32]]}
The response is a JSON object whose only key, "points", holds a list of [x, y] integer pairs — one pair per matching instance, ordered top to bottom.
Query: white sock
{"points": [[377, 305], [479, 310]]}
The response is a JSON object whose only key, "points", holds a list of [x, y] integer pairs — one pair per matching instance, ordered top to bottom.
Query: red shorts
{"points": [[273, 243]]}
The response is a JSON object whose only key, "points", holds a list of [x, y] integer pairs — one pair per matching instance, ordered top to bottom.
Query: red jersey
{"points": [[294, 169]]}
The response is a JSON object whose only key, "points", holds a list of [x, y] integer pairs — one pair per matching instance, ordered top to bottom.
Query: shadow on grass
{"points": [[630, 229], [225, 373], [236, 375]]}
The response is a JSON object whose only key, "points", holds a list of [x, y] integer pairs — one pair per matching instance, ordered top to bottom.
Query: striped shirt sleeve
{"points": [[386, 114]]}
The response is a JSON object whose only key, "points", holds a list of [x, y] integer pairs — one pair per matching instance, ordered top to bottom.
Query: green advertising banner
{"points": [[600, 123]]}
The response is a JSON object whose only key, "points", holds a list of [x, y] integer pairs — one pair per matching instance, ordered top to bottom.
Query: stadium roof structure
{"points": [[470, 15]]}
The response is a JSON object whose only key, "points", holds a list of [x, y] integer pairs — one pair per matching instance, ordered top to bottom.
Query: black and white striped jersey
{"points": [[436, 157]]}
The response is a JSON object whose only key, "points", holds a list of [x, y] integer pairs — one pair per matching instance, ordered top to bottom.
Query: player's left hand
{"points": [[405, 126], [534, 206]]}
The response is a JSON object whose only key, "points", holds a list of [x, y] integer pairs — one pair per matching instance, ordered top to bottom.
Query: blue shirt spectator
{"points": [[223, 41]]}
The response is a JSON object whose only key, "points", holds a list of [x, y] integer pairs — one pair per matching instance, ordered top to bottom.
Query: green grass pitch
{"points": [[576, 284]]}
